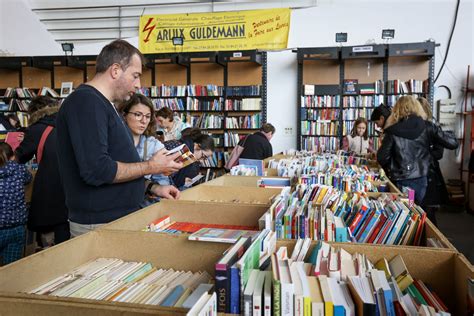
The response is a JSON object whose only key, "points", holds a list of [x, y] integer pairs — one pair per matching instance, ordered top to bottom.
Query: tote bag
{"points": [[235, 154]]}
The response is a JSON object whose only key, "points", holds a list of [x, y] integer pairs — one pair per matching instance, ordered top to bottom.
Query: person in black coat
{"points": [[201, 145], [257, 146], [405, 151], [436, 192], [48, 211]]}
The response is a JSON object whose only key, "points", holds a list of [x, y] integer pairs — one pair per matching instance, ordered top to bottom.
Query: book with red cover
{"points": [[12, 139], [188, 227]]}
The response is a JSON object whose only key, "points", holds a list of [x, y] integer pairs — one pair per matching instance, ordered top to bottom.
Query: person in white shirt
{"points": [[170, 125], [358, 141]]}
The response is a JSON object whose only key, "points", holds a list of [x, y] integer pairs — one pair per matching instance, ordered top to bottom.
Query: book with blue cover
{"points": [[253, 162]]}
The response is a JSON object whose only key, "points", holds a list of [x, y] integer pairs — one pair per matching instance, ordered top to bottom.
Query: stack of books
{"points": [[115, 280]]}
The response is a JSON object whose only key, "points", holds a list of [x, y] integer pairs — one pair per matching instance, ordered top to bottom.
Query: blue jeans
{"points": [[417, 184]]}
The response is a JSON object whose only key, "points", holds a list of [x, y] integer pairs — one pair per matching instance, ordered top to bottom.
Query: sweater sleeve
{"points": [[87, 124], [29, 145]]}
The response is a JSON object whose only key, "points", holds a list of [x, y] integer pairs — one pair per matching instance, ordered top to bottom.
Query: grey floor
{"points": [[458, 227]]}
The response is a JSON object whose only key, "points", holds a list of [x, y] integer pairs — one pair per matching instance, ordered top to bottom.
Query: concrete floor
{"points": [[458, 227]]}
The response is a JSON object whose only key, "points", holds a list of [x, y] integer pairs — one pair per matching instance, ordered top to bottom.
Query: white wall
{"points": [[414, 21]]}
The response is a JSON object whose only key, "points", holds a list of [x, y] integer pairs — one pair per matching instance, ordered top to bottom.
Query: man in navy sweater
{"points": [[100, 168]]}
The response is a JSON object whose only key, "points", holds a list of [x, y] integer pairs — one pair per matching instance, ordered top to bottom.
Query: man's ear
{"points": [[115, 71]]}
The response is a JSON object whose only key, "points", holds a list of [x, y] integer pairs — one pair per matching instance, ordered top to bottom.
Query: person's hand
{"points": [[20, 137], [162, 163], [166, 191]]}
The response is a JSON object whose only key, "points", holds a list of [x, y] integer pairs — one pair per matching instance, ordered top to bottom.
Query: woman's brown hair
{"points": [[141, 99], [166, 113], [354, 128]]}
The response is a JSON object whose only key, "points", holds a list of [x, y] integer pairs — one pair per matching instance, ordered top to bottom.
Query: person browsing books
{"points": [[138, 113], [169, 125], [358, 140], [257, 146], [202, 147], [405, 150], [102, 174], [436, 192], [13, 211], [48, 211]]}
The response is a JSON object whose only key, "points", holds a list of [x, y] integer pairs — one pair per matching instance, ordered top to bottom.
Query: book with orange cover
{"points": [[188, 227]]}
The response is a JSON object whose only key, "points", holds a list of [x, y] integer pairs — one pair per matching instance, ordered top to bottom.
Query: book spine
{"points": [[222, 289], [276, 298], [234, 305]]}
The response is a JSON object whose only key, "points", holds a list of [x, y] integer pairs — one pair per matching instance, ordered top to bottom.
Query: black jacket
{"points": [[256, 146], [405, 151], [48, 206]]}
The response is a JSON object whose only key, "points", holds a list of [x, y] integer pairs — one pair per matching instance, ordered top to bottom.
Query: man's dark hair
{"points": [[118, 52], [381, 110], [268, 128]]}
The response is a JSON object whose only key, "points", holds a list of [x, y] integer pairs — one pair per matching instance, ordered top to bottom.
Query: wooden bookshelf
{"points": [[374, 67]]}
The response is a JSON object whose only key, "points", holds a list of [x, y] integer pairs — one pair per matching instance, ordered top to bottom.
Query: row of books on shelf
{"points": [[352, 86], [410, 86], [200, 90], [29, 93], [321, 101], [362, 101], [193, 104], [248, 104], [15, 105], [319, 114], [353, 114], [247, 121], [323, 128], [231, 139], [320, 144], [324, 161], [322, 212], [115, 280]]}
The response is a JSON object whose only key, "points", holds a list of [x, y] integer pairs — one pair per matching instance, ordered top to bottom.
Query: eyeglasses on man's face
{"points": [[139, 116]]}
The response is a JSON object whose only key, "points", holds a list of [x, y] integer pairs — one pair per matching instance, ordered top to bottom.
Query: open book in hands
{"points": [[186, 156]]}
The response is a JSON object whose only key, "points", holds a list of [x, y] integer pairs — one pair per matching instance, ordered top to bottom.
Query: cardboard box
{"points": [[242, 195], [188, 211], [164, 251], [445, 270]]}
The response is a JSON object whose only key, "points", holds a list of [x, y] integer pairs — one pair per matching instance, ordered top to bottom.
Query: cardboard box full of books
{"points": [[243, 195], [193, 212], [162, 251], [446, 271]]}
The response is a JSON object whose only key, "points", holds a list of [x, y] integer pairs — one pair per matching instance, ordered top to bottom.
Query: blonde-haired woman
{"points": [[405, 150]]}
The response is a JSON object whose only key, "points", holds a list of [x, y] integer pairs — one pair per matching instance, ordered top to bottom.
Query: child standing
{"points": [[358, 141], [13, 212]]}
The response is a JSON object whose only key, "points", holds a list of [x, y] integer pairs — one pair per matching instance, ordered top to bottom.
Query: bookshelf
{"points": [[336, 85], [223, 93]]}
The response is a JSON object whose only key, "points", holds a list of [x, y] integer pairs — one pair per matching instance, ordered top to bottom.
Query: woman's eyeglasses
{"points": [[139, 116]]}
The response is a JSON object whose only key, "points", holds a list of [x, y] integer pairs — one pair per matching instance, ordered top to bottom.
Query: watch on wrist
{"points": [[148, 188]]}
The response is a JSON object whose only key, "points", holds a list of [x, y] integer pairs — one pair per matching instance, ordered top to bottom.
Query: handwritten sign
{"points": [[239, 30]]}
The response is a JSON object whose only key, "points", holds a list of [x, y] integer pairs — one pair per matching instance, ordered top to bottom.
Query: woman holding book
{"points": [[138, 113], [358, 141], [202, 147], [405, 151]]}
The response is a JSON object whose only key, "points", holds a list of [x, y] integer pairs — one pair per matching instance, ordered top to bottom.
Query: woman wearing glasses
{"points": [[139, 114], [202, 147]]}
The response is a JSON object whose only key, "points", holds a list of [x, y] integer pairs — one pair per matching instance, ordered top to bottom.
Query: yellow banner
{"points": [[239, 30]]}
